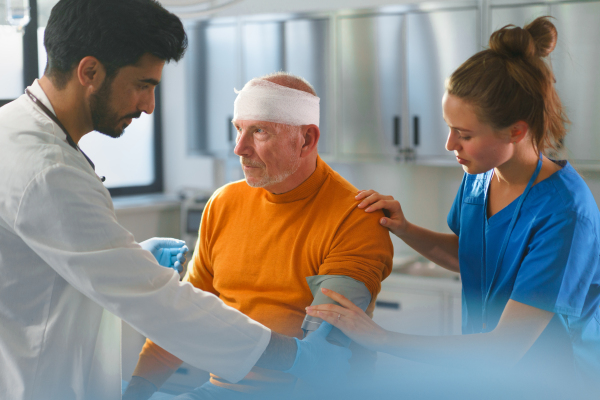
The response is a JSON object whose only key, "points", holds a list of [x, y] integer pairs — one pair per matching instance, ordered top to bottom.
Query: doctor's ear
{"points": [[91, 73]]}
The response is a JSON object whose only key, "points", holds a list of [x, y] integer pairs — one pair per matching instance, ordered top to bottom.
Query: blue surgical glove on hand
{"points": [[169, 253], [319, 362]]}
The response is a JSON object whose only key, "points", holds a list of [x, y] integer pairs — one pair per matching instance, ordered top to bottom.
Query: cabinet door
{"points": [[437, 43], [262, 49], [307, 55], [576, 62], [212, 73], [220, 78], [371, 84], [418, 313]]}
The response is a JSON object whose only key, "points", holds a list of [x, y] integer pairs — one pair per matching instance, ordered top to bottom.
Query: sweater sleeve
{"points": [[361, 249]]}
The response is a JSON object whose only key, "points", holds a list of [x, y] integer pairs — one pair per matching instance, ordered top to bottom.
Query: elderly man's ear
{"points": [[311, 135]]}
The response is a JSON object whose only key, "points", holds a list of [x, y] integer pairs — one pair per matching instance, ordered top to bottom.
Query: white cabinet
{"points": [[438, 42], [308, 54], [576, 61], [392, 69], [212, 71], [371, 85], [419, 305]]}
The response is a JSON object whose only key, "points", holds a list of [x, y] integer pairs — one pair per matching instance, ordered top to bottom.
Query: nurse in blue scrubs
{"points": [[526, 229]]}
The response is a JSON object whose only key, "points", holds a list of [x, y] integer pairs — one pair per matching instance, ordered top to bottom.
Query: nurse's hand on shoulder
{"points": [[394, 219], [169, 253], [351, 320]]}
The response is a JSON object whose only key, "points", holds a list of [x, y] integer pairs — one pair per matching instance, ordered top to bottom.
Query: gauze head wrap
{"points": [[262, 100]]}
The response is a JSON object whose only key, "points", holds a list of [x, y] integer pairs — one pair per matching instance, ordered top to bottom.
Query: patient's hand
{"points": [[394, 218]]}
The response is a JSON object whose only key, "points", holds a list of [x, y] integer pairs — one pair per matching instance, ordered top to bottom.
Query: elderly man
{"points": [[292, 220]]}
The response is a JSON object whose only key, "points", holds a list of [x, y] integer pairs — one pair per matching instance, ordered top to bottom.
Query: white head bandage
{"points": [[261, 100]]}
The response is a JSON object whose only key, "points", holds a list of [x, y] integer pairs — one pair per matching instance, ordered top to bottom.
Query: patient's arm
{"points": [[352, 289]]}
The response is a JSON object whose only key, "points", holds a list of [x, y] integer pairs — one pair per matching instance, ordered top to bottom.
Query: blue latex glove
{"points": [[169, 253], [319, 362]]}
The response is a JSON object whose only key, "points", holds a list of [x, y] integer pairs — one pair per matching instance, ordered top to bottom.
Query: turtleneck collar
{"points": [[305, 189]]}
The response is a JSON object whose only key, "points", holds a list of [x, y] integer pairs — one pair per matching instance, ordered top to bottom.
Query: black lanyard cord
{"points": [[53, 117]]}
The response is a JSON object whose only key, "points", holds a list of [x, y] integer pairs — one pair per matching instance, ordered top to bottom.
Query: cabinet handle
{"points": [[230, 128], [416, 130], [397, 131], [388, 304]]}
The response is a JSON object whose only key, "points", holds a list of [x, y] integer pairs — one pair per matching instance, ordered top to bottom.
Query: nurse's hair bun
{"points": [[537, 39], [513, 81]]}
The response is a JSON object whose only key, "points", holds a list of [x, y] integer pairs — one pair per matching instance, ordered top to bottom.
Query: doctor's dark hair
{"points": [[117, 32], [512, 81]]}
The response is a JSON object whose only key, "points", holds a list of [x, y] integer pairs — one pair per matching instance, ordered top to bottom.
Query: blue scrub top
{"points": [[552, 262]]}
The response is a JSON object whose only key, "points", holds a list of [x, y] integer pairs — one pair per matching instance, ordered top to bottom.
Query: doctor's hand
{"points": [[394, 218], [169, 253], [351, 320], [318, 362]]}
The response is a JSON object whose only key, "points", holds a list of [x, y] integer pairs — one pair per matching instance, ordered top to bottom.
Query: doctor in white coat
{"points": [[68, 270]]}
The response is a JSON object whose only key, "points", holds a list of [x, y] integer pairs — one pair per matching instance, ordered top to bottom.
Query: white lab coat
{"points": [[69, 271]]}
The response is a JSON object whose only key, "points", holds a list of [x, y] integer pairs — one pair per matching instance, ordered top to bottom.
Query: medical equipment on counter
{"points": [[53, 117], [193, 202], [352, 289]]}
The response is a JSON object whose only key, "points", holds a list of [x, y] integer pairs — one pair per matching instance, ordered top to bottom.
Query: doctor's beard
{"points": [[104, 119]]}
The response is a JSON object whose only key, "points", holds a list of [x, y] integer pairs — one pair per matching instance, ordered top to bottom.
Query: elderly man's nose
{"points": [[242, 147]]}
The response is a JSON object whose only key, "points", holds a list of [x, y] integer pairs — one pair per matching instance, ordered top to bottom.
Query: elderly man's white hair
{"points": [[289, 80]]}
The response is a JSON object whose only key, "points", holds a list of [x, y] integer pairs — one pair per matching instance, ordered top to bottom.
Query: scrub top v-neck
{"points": [[552, 260]]}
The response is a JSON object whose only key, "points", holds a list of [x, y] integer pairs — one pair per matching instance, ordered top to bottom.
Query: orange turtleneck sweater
{"points": [[255, 250]]}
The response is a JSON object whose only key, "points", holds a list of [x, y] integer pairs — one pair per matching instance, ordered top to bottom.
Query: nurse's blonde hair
{"points": [[513, 81]]}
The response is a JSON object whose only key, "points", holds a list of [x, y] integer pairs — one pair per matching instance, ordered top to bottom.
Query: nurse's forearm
{"points": [[440, 248], [518, 328], [468, 351], [279, 354]]}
